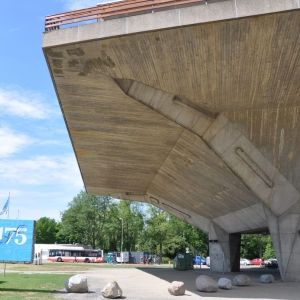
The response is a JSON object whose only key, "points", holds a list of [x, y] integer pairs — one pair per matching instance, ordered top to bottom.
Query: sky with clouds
{"points": [[37, 164]]}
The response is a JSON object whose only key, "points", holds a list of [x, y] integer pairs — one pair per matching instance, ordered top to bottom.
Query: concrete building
{"points": [[193, 106]]}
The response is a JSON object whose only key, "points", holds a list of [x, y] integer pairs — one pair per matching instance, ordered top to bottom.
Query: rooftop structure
{"points": [[192, 106]]}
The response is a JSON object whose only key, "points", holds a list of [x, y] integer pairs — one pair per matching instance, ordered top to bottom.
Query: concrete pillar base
{"points": [[285, 232], [224, 250]]}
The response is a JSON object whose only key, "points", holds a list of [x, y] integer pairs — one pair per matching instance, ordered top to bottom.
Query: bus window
{"points": [[74, 253]]}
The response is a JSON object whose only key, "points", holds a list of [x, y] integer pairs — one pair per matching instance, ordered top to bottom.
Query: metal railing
{"points": [[112, 10]]}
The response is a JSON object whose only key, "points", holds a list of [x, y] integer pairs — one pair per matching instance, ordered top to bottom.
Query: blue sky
{"points": [[37, 164]]}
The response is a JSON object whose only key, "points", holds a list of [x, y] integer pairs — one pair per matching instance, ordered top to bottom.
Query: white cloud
{"points": [[77, 4], [22, 103], [12, 142], [52, 142], [42, 170]]}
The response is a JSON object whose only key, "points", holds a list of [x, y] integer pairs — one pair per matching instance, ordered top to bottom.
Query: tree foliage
{"points": [[126, 215], [84, 220], [105, 223], [112, 225], [46, 231], [166, 235], [255, 245], [269, 251]]}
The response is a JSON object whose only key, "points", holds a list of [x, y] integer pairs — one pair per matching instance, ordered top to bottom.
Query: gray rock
{"points": [[266, 278], [241, 280], [225, 283], [76, 284], [206, 284], [177, 288], [112, 290]]}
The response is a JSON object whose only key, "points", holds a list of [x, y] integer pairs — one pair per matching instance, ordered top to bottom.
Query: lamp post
{"points": [[122, 220]]}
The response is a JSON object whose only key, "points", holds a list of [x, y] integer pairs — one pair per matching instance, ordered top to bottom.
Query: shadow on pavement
{"points": [[257, 290]]}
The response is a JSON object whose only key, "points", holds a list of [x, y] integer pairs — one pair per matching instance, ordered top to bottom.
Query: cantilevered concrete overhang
{"points": [[194, 109]]}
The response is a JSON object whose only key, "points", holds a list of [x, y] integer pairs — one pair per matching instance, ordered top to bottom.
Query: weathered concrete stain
{"points": [[75, 52], [53, 53], [57, 63], [73, 63], [98, 63], [58, 71], [281, 142]]}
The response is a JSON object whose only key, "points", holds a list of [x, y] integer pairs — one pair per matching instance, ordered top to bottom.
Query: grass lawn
{"points": [[73, 267], [28, 281], [16, 286]]}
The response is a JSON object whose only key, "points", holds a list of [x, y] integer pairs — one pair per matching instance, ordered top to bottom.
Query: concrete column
{"points": [[285, 233], [224, 250], [235, 250]]}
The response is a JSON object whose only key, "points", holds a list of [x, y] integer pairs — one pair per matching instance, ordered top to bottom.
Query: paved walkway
{"points": [[148, 283]]}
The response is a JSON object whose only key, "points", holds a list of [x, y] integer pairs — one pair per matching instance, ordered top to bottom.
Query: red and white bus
{"points": [[76, 255]]}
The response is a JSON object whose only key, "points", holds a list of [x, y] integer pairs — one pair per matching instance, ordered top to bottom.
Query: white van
{"points": [[123, 257]]}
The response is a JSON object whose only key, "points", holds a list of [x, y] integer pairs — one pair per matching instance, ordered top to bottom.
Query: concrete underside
{"points": [[201, 120]]}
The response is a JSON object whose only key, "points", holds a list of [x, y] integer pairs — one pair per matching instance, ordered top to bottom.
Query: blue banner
{"points": [[16, 240]]}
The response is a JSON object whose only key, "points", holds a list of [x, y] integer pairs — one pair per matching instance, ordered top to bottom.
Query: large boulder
{"points": [[266, 278], [241, 280], [225, 283], [77, 284], [206, 284], [177, 288], [112, 290]]}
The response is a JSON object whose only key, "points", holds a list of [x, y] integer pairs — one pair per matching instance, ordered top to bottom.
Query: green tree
{"points": [[128, 215], [131, 217], [84, 220], [98, 221], [46, 230], [111, 230], [156, 232], [166, 235], [187, 236], [253, 245], [269, 251]]}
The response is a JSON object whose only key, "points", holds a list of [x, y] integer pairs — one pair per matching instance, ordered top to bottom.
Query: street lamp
{"points": [[122, 220]]}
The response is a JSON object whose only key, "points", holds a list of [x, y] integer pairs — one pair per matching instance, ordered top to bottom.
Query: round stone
{"points": [[266, 278], [241, 280], [225, 283], [206, 284], [177, 288]]}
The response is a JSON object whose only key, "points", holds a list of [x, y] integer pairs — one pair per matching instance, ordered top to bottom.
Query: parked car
{"points": [[197, 260], [207, 261], [257, 261], [244, 262], [271, 263]]}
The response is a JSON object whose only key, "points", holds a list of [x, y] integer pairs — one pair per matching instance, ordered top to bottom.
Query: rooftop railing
{"points": [[107, 11]]}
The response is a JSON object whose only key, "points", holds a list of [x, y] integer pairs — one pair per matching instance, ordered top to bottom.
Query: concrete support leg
{"points": [[285, 232], [235, 249], [224, 250]]}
